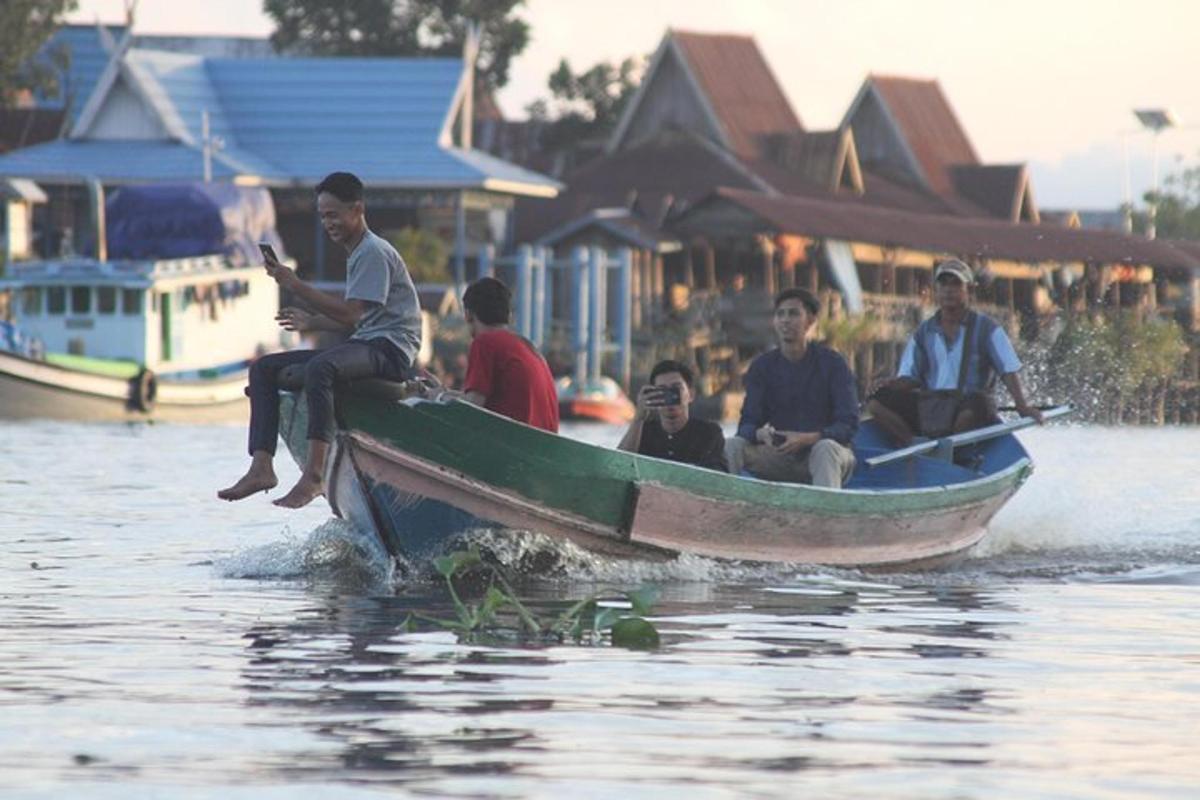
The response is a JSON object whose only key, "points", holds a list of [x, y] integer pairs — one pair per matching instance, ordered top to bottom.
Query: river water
{"points": [[155, 642]]}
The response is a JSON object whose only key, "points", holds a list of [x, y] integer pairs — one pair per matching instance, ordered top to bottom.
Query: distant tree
{"points": [[25, 25], [402, 28], [588, 105], [1178, 215]]}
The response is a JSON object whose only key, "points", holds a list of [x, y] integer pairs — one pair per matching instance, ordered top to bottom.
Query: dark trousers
{"points": [[322, 370]]}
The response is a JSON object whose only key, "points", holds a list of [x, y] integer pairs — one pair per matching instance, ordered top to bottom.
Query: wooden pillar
{"points": [[766, 249], [710, 264], [689, 269], [635, 288], [659, 288]]}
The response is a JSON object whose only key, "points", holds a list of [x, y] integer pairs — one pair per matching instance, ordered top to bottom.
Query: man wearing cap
{"points": [[933, 360], [801, 406]]}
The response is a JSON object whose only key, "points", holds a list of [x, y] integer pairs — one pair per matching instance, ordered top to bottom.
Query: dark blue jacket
{"points": [[816, 393]]}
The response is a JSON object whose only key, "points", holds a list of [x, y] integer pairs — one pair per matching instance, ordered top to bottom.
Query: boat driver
{"points": [[933, 360]]}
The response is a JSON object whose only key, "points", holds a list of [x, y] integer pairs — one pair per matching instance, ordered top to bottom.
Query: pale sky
{"points": [[1049, 82]]}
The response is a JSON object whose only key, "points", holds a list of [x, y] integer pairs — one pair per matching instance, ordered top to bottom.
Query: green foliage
{"points": [[25, 25], [402, 28], [586, 105], [1178, 214], [424, 253], [847, 333], [1101, 364], [584, 621]]}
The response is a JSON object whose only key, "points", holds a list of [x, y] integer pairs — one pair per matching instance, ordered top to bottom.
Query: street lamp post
{"points": [[1156, 120]]}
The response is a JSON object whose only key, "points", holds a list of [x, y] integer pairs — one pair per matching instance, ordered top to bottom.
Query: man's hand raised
{"points": [[284, 276], [296, 319]]}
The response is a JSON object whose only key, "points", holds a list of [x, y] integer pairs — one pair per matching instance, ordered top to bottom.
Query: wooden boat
{"points": [[161, 325], [43, 389], [599, 400], [419, 472]]}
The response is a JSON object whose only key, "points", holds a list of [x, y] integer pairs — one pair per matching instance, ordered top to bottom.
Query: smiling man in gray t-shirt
{"points": [[376, 273], [382, 315]]}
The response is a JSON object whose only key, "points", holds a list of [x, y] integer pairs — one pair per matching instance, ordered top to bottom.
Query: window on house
{"points": [[81, 299], [106, 299], [31, 300], [56, 300], [131, 301]]}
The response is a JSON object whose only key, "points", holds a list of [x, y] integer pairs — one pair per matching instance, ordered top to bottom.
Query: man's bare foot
{"points": [[250, 483], [304, 492]]}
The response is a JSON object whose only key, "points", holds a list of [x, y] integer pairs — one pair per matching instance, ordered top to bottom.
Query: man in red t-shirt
{"points": [[505, 372]]}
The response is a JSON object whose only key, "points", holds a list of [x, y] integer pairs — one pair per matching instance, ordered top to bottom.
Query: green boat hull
{"points": [[420, 472]]}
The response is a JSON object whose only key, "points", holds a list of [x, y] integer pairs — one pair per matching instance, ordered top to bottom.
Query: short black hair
{"points": [[345, 186], [803, 295], [489, 300], [667, 365]]}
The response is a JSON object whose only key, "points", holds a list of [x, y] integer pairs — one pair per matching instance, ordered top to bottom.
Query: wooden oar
{"points": [[944, 448]]}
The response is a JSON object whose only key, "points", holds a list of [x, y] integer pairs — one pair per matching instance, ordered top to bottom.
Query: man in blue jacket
{"points": [[801, 406]]}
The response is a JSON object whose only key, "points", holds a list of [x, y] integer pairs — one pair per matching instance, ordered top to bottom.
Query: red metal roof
{"points": [[746, 98], [928, 125], [676, 167], [997, 188], [964, 237]]}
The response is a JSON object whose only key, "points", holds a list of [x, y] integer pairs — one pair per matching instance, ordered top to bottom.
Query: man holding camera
{"points": [[801, 408], [663, 427]]}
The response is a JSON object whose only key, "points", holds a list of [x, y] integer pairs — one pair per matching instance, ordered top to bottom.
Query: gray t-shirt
{"points": [[375, 272]]}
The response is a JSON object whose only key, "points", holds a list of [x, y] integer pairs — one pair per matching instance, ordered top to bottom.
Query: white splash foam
{"points": [[334, 550]]}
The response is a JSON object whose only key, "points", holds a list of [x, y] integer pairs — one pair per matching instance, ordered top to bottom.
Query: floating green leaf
{"points": [[635, 633]]}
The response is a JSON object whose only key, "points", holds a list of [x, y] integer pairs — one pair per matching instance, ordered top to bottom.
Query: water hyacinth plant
{"points": [[500, 614]]}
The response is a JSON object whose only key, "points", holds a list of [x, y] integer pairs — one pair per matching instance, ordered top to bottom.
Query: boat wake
{"points": [[334, 552]]}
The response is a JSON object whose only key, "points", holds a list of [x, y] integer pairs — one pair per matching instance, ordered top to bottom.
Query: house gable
{"points": [[718, 86], [669, 98], [124, 115], [909, 127], [880, 144]]}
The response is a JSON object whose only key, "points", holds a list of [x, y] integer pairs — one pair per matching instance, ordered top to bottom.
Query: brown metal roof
{"points": [[746, 98], [929, 126], [671, 168], [996, 188], [964, 237]]}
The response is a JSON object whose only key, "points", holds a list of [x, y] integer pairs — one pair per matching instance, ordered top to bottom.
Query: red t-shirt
{"points": [[513, 377]]}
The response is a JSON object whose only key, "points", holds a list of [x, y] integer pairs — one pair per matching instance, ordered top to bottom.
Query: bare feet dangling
{"points": [[250, 483], [304, 492]]}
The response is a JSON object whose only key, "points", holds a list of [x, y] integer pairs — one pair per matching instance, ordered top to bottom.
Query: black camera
{"points": [[661, 396]]}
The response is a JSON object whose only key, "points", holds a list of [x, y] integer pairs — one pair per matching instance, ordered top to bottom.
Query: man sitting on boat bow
{"points": [[380, 309], [949, 368], [801, 407], [663, 427]]}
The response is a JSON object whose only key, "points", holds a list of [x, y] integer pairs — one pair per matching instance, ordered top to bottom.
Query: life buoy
{"points": [[143, 391]]}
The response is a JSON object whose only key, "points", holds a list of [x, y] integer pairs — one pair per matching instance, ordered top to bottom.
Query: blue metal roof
{"points": [[88, 57], [287, 120], [66, 161]]}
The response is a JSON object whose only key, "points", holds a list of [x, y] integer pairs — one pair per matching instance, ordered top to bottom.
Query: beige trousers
{"points": [[826, 463]]}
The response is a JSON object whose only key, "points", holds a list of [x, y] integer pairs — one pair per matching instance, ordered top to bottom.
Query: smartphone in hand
{"points": [[268, 253]]}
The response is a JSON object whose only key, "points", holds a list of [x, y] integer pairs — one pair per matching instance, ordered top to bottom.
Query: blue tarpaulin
{"points": [[184, 220]]}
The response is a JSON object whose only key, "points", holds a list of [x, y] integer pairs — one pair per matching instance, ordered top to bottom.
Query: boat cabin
{"points": [[191, 317]]}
